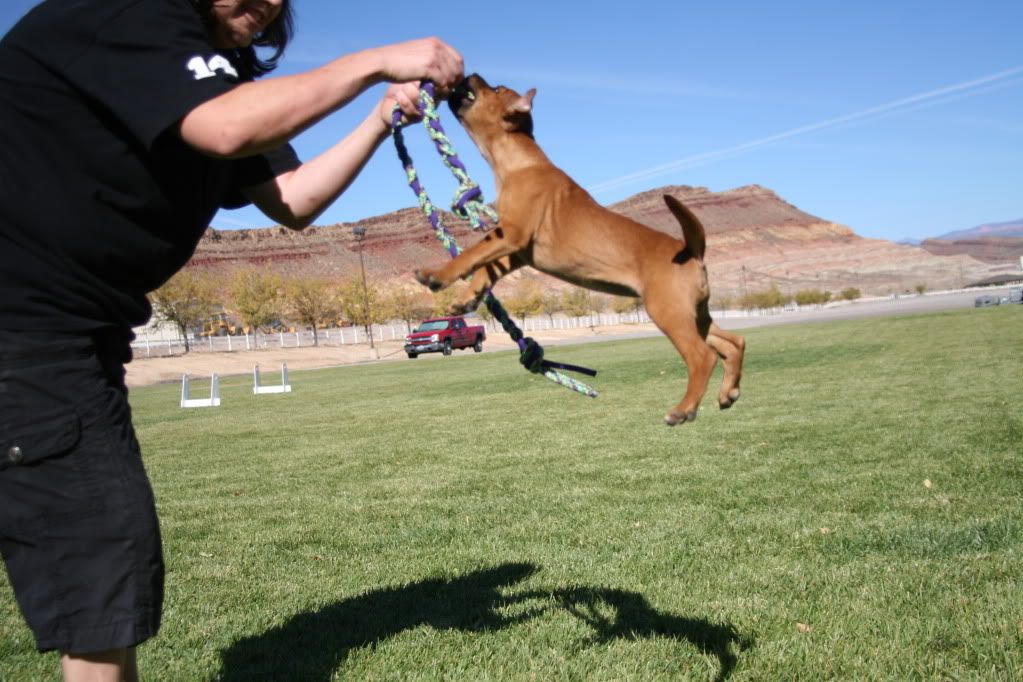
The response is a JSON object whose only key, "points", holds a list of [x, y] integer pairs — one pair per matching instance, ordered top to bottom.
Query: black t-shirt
{"points": [[100, 200]]}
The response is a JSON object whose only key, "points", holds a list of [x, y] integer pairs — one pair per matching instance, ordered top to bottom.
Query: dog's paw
{"points": [[427, 278], [463, 308], [730, 399], [673, 418]]}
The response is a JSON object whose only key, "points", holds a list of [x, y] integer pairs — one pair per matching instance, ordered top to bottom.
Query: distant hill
{"points": [[1012, 228], [755, 239], [994, 243], [998, 251]]}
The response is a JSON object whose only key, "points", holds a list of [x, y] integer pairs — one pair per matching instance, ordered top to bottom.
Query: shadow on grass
{"points": [[620, 614], [313, 645]]}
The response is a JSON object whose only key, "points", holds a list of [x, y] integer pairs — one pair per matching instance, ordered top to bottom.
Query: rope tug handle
{"points": [[468, 204]]}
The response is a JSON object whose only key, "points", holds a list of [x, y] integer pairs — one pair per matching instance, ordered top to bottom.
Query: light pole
{"points": [[360, 234]]}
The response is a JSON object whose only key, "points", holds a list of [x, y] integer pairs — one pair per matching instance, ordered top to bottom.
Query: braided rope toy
{"points": [[468, 204]]}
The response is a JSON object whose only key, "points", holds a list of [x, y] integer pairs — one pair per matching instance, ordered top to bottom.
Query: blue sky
{"points": [[898, 119]]}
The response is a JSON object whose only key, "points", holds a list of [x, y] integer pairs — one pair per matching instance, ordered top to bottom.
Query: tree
{"points": [[920, 288], [850, 294], [258, 297], [812, 297], [445, 298], [767, 298], [526, 299], [187, 301], [310, 301], [576, 302], [722, 302], [407, 303], [550, 303], [361, 304], [626, 304], [484, 312]]}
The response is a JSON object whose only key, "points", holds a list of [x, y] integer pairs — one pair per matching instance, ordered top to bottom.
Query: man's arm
{"points": [[262, 115], [296, 198]]}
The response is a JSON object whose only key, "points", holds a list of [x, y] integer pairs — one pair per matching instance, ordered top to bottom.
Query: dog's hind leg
{"points": [[495, 244], [482, 281], [688, 333], [732, 349]]}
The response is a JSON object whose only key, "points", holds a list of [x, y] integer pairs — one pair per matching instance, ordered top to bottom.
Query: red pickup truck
{"points": [[444, 334]]}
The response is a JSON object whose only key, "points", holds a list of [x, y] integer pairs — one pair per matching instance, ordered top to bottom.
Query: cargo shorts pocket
{"points": [[45, 434]]}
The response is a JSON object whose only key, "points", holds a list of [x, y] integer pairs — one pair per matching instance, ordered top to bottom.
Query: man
{"points": [[124, 126]]}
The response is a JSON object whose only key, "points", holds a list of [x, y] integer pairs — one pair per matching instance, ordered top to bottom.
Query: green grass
{"points": [[458, 519]]}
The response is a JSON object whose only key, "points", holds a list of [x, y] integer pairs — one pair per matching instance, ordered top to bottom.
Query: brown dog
{"points": [[550, 223]]}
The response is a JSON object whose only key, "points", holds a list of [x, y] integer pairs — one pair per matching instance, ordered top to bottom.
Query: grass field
{"points": [[856, 516]]}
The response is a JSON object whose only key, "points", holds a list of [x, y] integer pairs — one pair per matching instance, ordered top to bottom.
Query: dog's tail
{"points": [[692, 228]]}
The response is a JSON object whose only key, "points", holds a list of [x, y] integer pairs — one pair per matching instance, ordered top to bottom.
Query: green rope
{"points": [[473, 210]]}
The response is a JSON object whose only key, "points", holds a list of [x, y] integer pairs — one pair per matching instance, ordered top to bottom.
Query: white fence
{"points": [[159, 342], [162, 342]]}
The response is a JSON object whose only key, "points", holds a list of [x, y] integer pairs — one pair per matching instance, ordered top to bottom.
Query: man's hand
{"points": [[425, 59], [406, 96]]}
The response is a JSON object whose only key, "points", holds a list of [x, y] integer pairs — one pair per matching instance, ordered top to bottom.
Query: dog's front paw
{"points": [[427, 278], [463, 308], [673, 417]]}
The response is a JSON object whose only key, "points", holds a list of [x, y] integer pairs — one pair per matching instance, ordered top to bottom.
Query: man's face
{"points": [[237, 22]]}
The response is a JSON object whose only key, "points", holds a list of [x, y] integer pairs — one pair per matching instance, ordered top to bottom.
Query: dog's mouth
{"points": [[463, 96]]}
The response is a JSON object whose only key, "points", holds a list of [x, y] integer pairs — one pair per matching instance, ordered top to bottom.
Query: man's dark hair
{"points": [[276, 36]]}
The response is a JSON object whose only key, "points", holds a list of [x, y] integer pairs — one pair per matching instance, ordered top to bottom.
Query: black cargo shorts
{"points": [[78, 528]]}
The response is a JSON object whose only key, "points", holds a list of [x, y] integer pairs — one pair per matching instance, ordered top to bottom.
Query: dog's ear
{"points": [[524, 104], [517, 114], [692, 228]]}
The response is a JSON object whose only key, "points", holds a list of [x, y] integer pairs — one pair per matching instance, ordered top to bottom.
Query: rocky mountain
{"points": [[755, 239]]}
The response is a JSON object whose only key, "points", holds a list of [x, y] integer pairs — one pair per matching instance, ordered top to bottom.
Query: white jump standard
{"points": [[258, 387], [212, 401]]}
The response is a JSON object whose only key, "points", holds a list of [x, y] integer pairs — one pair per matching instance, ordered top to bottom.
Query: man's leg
{"points": [[78, 527], [116, 665]]}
